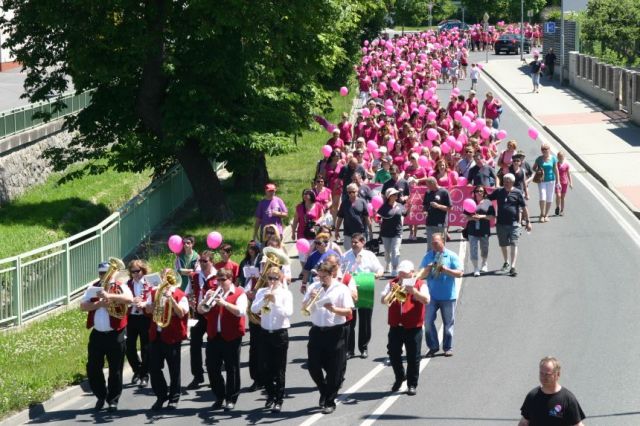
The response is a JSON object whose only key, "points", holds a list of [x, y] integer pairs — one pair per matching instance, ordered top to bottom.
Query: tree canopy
{"points": [[498, 10], [416, 12], [187, 81]]}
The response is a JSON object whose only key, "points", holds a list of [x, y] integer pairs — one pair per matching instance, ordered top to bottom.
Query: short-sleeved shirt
{"points": [[548, 167], [346, 175], [484, 176], [400, 184], [365, 193], [509, 205], [264, 209], [353, 215], [436, 217], [391, 225], [482, 227], [316, 258], [442, 287], [557, 409]]}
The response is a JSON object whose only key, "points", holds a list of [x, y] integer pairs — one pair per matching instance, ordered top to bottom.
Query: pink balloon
{"points": [[480, 66], [382, 87], [344, 91], [455, 92], [374, 93], [388, 103], [422, 109], [389, 111], [365, 112], [457, 115], [431, 116], [465, 122], [480, 123], [472, 128], [485, 132], [533, 133], [432, 134], [501, 134], [451, 140], [390, 144], [457, 145], [372, 146], [445, 148], [326, 151], [423, 161], [462, 181], [377, 202], [469, 206], [370, 209], [214, 239], [175, 244], [303, 246]]}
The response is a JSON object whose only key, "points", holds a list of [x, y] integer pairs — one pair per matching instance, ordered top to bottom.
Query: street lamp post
{"points": [[430, 7], [462, 8], [485, 27], [521, 30], [561, 41]]}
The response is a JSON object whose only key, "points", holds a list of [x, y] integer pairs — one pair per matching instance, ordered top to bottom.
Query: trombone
{"points": [[307, 307]]}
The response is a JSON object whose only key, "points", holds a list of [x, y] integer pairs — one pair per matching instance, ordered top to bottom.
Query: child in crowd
{"points": [[474, 74], [564, 177]]}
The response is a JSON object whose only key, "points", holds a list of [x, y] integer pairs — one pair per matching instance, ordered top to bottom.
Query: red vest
{"points": [[209, 284], [146, 289], [409, 314], [116, 323], [231, 326], [176, 331]]}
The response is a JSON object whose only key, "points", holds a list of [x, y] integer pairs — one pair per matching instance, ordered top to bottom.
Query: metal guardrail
{"points": [[20, 119], [39, 280]]}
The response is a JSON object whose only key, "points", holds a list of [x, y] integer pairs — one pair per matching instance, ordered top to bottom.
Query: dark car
{"points": [[448, 26], [510, 43]]}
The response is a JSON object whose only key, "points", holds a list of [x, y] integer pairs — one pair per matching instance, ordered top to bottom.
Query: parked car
{"points": [[447, 26], [510, 43]]}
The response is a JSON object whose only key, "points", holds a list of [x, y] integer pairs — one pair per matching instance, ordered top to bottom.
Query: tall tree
{"points": [[507, 10], [410, 12], [183, 81]]}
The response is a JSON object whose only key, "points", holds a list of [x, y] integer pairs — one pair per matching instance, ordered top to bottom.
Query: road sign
{"points": [[550, 27]]}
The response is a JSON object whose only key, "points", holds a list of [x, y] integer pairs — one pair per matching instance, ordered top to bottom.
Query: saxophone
{"points": [[162, 307]]}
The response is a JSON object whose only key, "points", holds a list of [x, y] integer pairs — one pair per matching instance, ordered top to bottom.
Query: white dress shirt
{"points": [[365, 261], [138, 291], [338, 295], [241, 303], [281, 309], [101, 320]]}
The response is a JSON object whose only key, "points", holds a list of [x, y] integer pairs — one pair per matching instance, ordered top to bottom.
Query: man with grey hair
{"points": [[436, 204], [512, 213], [355, 215], [550, 403]]}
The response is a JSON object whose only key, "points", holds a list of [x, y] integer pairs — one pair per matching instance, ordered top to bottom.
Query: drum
{"points": [[365, 281]]}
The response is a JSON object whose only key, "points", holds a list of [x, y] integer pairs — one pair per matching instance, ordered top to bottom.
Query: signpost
{"points": [[485, 26], [549, 27]]}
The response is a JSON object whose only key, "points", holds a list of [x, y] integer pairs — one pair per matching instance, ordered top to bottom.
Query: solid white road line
{"points": [[624, 222], [390, 400]]}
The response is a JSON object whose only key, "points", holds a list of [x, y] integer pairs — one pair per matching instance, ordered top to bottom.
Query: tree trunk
{"points": [[252, 173], [207, 189]]}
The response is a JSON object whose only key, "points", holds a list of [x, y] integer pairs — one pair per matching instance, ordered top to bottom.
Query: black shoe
{"points": [[557, 211], [513, 272], [431, 353], [364, 354], [350, 355], [135, 379], [144, 382], [195, 383], [396, 386], [254, 387], [411, 391], [323, 401], [269, 403], [99, 404], [172, 405], [217, 405], [157, 406], [230, 406], [113, 407], [277, 407], [329, 409]]}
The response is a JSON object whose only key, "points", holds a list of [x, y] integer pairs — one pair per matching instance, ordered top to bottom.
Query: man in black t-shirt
{"points": [[481, 173], [346, 175], [437, 204], [512, 210], [355, 215], [550, 404]]}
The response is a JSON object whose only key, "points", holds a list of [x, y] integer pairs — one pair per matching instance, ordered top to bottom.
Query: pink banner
{"points": [[458, 194]]}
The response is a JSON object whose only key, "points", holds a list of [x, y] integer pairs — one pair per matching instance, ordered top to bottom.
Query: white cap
{"points": [[390, 191], [405, 266]]}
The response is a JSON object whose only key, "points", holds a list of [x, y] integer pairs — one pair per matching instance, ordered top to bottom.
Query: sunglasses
{"points": [[478, 192], [320, 243], [203, 261], [134, 271], [273, 278]]}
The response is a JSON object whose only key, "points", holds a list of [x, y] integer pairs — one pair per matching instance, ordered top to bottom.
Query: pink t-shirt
{"points": [[563, 172], [323, 197], [314, 213]]}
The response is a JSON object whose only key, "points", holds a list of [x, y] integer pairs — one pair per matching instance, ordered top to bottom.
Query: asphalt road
{"points": [[575, 298]]}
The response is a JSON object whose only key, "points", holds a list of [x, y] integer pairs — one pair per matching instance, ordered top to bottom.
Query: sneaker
{"points": [[557, 211], [505, 267], [484, 268], [387, 270], [476, 272], [513, 272], [135, 379], [144, 382]]}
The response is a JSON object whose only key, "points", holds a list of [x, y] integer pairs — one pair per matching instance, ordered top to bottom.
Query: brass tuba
{"points": [[275, 257], [115, 272], [162, 307]]}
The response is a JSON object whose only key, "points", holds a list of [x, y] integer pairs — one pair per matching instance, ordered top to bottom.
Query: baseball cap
{"points": [[270, 187], [405, 266], [103, 267]]}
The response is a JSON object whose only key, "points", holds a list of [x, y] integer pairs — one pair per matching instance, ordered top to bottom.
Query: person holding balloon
{"points": [[492, 108], [479, 212], [186, 262]]}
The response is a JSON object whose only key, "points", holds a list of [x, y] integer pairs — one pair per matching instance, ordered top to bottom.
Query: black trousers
{"points": [[363, 317], [138, 328], [411, 339], [109, 345], [195, 346], [273, 350], [219, 351], [159, 352], [327, 356], [256, 361]]}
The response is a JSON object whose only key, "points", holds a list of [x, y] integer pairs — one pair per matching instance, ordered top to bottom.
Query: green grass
{"points": [[50, 212], [30, 373]]}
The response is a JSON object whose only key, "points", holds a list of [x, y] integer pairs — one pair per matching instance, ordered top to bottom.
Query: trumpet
{"points": [[398, 294], [210, 301], [307, 307], [266, 308]]}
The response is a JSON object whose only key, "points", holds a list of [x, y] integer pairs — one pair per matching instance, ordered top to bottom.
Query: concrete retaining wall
{"points": [[21, 162]]}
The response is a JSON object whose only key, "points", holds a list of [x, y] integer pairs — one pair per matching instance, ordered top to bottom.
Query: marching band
{"points": [[224, 299]]}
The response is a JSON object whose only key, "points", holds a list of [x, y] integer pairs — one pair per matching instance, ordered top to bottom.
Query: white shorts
{"points": [[546, 190]]}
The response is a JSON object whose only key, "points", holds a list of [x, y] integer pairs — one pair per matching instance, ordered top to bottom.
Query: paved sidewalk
{"points": [[604, 142]]}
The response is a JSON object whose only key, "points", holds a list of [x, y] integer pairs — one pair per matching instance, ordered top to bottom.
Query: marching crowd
{"points": [[404, 137]]}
